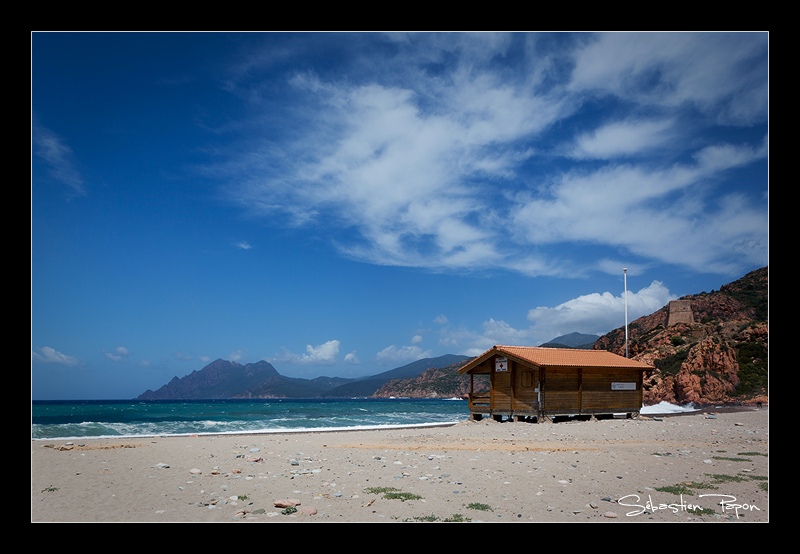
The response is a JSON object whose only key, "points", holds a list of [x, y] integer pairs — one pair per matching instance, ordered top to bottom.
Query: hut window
{"points": [[527, 378]]}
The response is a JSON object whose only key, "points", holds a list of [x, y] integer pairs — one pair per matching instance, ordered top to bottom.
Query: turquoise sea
{"points": [[62, 419]]}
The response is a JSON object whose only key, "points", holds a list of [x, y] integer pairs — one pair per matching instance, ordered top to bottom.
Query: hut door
{"points": [[501, 390], [526, 390]]}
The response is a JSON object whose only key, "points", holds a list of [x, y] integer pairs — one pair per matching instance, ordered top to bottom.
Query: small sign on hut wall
{"points": [[501, 364], [623, 386]]}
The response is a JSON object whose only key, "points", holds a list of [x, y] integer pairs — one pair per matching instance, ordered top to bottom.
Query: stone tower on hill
{"points": [[680, 311]]}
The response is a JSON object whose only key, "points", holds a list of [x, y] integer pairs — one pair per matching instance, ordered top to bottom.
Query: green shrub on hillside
{"points": [[672, 364], [753, 367]]}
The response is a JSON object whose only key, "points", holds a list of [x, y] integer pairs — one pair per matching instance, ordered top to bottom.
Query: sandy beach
{"points": [[706, 466]]}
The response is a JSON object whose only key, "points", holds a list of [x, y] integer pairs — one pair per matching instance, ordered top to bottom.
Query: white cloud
{"points": [[709, 70], [623, 138], [722, 156], [58, 157], [429, 170], [408, 178], [658, 214], [244, 245], [595, 314], [441, 319], [500, 332], [416, 339], [119, 353], [324, 353], [394, 354], [48, 355], [351, 358]]}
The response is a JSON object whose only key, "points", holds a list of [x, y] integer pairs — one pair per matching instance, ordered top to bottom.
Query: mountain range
{"points": [[573, 340], [718, 354], [227, 379]]}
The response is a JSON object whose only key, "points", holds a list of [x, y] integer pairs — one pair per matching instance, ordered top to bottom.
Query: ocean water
{"points": [[58, 419], [61, 419]]}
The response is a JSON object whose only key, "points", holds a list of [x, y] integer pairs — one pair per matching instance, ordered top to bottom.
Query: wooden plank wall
{"points": [[562, 390], [572, 390], [597, 393]]}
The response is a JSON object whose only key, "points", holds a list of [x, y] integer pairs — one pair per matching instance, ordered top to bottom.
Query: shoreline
{"points": [[266, 431], [259, 432], [487, 471]]}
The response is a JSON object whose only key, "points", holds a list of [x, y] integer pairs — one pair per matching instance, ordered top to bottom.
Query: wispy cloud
{"points": [[722, 74], [624, 139], [57, 157], [422, 168], [687, 224], [117, 354], [398, 354], [48, 355]]}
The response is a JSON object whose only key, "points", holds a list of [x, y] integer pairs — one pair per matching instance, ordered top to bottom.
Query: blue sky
{"points": [[342, 204]]}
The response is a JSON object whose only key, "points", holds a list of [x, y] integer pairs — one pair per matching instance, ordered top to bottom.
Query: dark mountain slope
{"points": [[573, 340], [226, 379], [369, 385]]}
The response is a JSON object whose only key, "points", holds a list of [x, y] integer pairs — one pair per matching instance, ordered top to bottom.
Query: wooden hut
{"points": [[534, 383]]}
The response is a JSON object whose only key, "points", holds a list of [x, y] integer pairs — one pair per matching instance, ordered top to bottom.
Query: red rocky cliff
{"points": [[720, 358]]}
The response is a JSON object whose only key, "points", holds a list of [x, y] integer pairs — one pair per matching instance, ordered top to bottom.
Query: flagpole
{"points": [[625, 280]]}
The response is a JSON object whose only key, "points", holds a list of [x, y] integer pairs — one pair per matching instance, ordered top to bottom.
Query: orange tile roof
{"points": [[558, 357]]}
